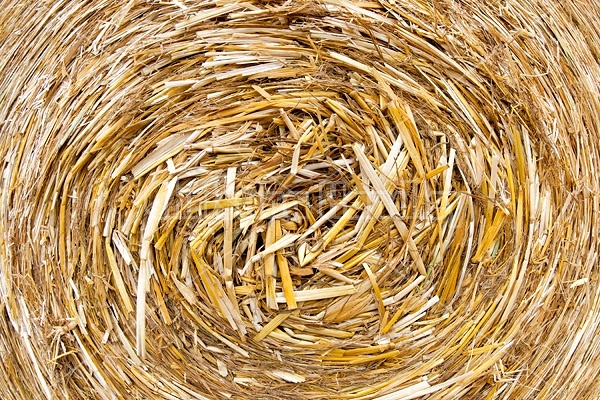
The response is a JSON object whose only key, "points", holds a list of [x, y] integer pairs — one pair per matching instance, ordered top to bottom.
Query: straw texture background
{"points": [[299, 200]]}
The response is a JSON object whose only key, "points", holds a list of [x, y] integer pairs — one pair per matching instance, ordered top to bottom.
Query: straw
{"points": [[328, 199]]}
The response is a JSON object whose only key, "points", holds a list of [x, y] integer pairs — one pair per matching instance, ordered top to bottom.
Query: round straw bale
{"points": [[330, 199]]}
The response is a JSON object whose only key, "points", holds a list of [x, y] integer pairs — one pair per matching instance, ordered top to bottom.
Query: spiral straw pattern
{"points": [[324, 199]]}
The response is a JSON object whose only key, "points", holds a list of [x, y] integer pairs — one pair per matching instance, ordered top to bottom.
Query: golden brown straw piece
{"points": [[326, 199]]}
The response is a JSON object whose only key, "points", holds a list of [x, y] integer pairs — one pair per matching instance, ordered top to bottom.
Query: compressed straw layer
{"points": [[299, 200]]}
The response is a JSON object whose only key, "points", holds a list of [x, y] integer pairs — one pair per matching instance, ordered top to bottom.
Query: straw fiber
{"points": [[325, 199]]}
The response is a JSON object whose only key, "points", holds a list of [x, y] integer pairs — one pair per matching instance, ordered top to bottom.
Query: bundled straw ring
{"points": [[299, 200]]}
